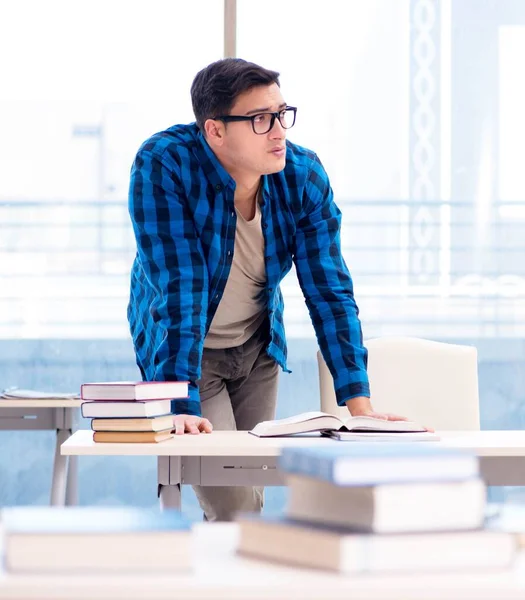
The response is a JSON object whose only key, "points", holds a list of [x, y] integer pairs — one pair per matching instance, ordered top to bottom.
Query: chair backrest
{"points": [[433, 383]]}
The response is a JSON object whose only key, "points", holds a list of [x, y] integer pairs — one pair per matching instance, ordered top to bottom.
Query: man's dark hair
{"points": [[215, 88]]}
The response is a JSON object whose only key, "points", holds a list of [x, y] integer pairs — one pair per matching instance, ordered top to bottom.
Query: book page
{"points": [[302, 418], [308, 421], [363, 423]]}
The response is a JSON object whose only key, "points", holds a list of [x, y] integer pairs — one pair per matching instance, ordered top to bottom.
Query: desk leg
{"points": [[70, 422], [503, 470], [72, 481], [169, 481], [58, 484], [170, 496]]}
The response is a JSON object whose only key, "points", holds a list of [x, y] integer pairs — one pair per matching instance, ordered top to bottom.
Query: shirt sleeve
{"points": [[172, 260], [328, 289]]}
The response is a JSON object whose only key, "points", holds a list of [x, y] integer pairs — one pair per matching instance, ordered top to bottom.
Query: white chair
{"points": [[432, 383]]}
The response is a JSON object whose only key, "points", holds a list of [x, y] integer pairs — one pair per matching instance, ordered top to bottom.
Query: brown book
{"points": [[133, 425], [146, 437], [95, 540], [285, 541]]}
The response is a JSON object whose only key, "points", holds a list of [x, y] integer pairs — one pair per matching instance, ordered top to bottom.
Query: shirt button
{"points": [[218, 187], [233, 213], [265, 225], [229, 252], [270, 290]]}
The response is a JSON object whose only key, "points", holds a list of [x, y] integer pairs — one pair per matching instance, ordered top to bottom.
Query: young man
{"points": [[220, 209]]}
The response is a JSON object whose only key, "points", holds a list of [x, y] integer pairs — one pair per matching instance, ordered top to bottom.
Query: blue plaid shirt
{"points": [[181, 203]]}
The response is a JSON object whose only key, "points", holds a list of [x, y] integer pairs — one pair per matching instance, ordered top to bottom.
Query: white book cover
{"points": [[134, 390], [120, 409]]}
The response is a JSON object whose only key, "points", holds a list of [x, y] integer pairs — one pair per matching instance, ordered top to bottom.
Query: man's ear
{"points": [[214, 131]]}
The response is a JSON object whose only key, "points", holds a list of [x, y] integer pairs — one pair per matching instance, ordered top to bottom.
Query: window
{"points": [[85, 84]]}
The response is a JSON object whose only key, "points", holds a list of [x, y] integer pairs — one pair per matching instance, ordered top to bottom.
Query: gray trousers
{"points": [[238, 389]]}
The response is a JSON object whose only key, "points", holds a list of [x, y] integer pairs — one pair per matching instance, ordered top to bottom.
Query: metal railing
{"points": [[425, 268]]}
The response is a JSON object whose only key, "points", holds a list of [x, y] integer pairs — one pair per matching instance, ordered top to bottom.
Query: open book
{"points": [[23, 394], [352, 428]]}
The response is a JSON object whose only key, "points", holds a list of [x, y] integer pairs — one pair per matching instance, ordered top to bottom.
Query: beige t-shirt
{"points": [[242, 308]]}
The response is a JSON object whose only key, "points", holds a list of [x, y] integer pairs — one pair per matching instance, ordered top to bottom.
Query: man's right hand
{"points": [[191, 424]]}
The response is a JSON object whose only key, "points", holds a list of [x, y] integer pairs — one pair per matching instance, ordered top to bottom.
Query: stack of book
{"points": [[131, 411], [368, 508], [96, 540]]}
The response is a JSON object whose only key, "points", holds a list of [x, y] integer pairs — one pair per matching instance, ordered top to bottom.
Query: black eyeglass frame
{"points": [[274, 115]]}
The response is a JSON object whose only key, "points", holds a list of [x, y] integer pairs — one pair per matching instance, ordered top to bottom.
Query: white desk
{"points": [[55, 415], [238, 458], [219, 574]]}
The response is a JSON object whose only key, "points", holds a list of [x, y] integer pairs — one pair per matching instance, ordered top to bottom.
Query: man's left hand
{"points": [[361, 407]]}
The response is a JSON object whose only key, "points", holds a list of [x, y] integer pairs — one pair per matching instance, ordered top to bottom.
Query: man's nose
{"points": [[277, 131]]}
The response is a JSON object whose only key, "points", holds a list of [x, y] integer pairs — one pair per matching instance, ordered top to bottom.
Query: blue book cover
{"points": [[374, 464], [90, 520]]}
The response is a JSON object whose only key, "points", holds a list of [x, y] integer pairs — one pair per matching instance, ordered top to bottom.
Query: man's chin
{"points": [[276, 167]]}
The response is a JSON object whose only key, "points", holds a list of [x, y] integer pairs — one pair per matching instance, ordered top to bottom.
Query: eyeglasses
{"points": [[263, 122]]}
